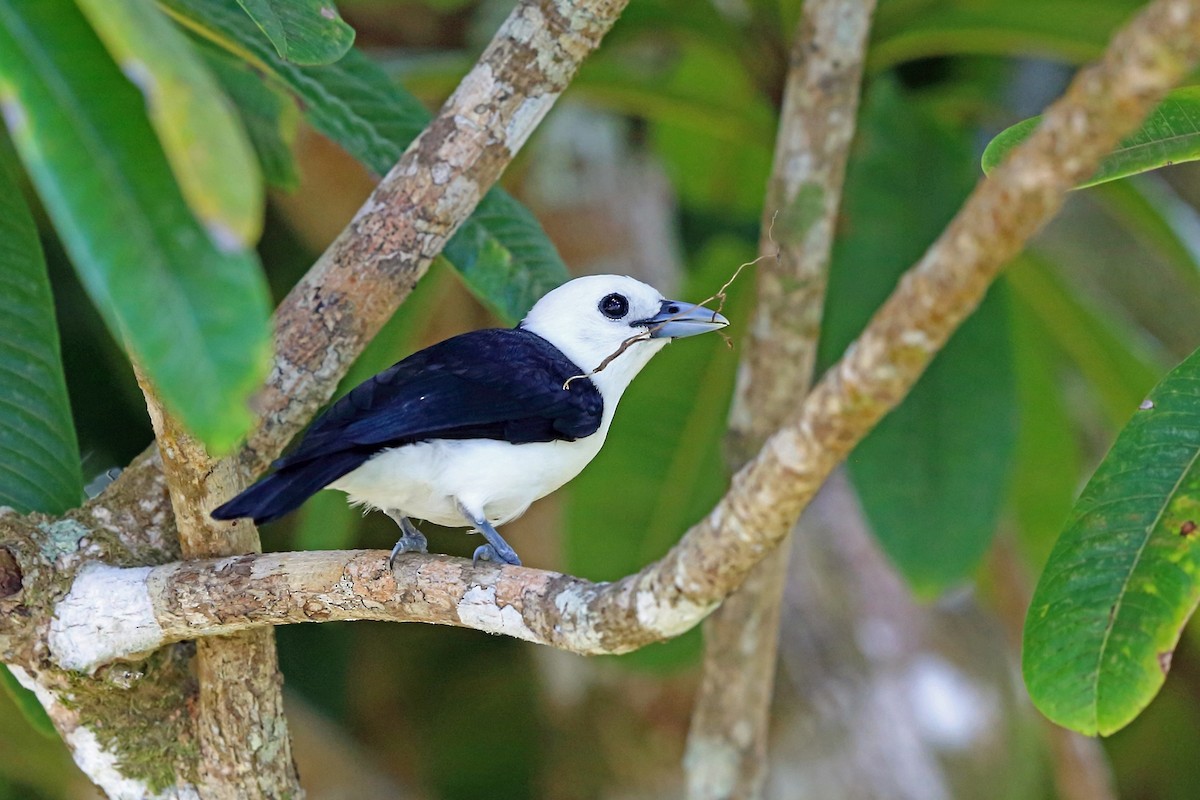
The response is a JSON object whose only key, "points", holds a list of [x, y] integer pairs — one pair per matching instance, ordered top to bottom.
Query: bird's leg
{"points": [[411, 540], [496, 549]]}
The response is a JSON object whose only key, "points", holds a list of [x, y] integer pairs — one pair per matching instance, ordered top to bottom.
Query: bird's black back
{"points": [[504, 384]]}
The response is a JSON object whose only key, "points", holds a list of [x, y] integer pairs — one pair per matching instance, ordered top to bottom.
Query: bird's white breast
{"points": [[495, 478]]}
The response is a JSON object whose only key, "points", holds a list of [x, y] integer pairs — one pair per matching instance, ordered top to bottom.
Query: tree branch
{"points": [[1105, 102], [327, 320], [320, 328], [241, 732], [727, 741]]}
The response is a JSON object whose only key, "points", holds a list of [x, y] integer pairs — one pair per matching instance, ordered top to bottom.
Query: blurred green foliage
{"points": [[995, 440]]}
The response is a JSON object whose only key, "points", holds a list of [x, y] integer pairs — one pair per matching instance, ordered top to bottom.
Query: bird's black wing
{"points": [[504, 384]]}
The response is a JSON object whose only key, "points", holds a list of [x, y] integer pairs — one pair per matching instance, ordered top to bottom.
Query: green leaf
{"points": [[302, 31], [646, 88], [354, 104], [270, 115], [199, 131], [1170, 135], [504, 256], [193, 316], [663, 454], [39, 457], [932, 477], [1122, 580], [27, 703]]}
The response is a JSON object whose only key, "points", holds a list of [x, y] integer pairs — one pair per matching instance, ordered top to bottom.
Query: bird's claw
{"points": [[413, 541], [486, 552]]}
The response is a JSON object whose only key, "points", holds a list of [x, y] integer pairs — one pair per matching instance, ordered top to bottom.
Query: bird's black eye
{"points": [[614, 306]]}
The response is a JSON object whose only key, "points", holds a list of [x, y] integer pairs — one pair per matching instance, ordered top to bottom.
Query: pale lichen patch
{"points": [[527, 116], [62, 537], [479, 609], [107, 614], [575, 618], [669, 619], [712, 765]]}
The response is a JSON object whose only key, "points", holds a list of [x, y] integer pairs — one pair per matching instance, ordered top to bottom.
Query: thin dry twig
{"points": [[720, 294]]}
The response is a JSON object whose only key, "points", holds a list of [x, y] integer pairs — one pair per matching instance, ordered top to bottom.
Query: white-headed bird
{"points": [[470, 431]]}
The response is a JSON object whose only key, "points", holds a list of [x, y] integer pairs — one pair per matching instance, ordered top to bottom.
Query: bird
{"points": [[472, 430]]}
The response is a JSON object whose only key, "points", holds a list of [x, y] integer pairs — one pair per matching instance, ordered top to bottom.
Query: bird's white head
{"points": [[591, 318]]}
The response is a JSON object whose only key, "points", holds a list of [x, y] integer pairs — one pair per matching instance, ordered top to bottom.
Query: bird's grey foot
{"points": [[411, 540], [496, 548], [485, 552]]}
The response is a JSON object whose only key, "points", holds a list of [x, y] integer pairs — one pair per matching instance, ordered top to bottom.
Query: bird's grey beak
{"points": [[676, 320]]}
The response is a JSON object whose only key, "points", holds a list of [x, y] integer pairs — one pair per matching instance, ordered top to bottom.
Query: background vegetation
{"points": [[653, 164]]}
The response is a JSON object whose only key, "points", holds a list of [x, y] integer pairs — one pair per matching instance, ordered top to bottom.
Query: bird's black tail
{"points": [[284, 490]]}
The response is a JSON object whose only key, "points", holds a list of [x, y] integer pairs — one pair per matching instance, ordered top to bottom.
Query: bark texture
{"points": [[1106, 101], [320, 328], [727, 741], [244, 749]]}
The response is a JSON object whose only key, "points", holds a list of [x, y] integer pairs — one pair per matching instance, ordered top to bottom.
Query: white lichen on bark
{"points": [[107, 615]]}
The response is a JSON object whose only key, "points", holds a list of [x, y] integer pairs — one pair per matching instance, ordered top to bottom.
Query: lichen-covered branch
{"points": [[1106, 101], [327, 320], [320, 328], [727, 741], [244, 749]]}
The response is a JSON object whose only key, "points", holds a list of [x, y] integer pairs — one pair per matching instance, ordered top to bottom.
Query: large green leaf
{"points": [[303, 31], [656, 90], [355, 104], [271, 115], [199, 131], [1170, 135], [711, 173], [505, 256], [193, 316], [663, 454], [39, 457], [933, 475], [1122, 580]]}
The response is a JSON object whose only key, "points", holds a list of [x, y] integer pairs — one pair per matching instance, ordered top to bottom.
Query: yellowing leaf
{"points": [[204, 141]]}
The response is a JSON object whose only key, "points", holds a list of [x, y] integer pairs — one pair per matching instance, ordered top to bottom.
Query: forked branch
{"points": [[1105, 102]]}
